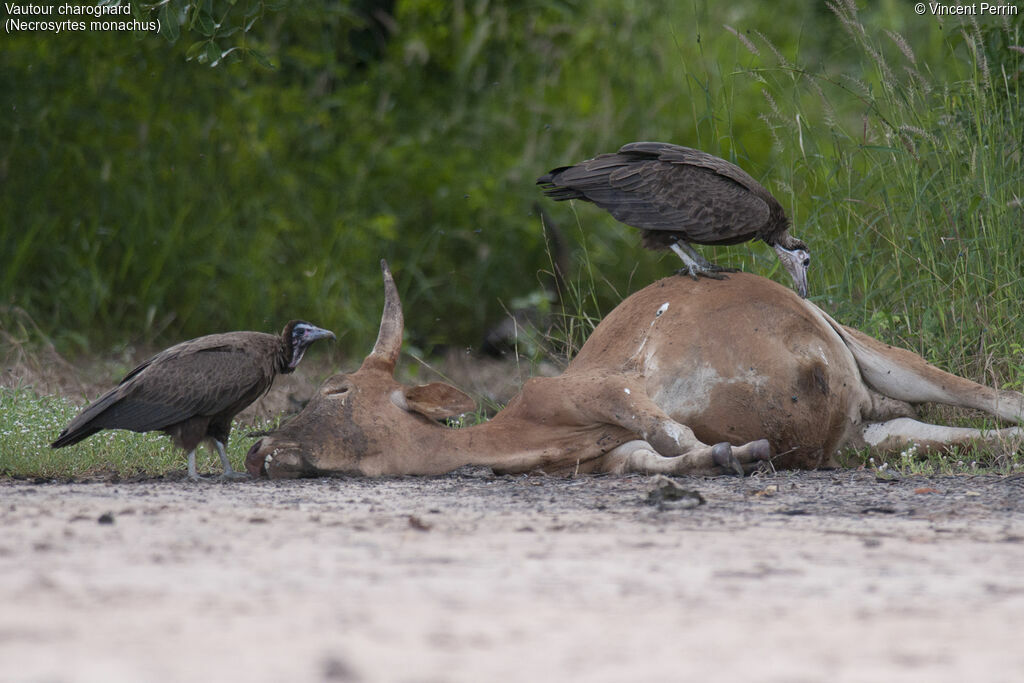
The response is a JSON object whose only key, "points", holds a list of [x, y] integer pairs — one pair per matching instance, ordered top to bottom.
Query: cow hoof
{"points": [[760, 450], [723, 456]]}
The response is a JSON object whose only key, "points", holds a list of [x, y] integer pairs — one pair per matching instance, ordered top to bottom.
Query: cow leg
{"points": [[904, 376], [627, 405], [897, 435], [640, 457]]}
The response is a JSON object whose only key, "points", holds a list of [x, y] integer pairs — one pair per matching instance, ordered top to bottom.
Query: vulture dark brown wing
{"points": [[687, 156], [581, 180], [696, 201], [206, 376], [204, 381]]}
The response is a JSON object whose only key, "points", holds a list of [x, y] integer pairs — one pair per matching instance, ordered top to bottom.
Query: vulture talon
{"points": [[677, 196], [688, 271], [695, 273], [193, 390]]}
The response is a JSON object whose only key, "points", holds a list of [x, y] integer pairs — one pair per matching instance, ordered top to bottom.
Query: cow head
{"points": [[364, 422]]}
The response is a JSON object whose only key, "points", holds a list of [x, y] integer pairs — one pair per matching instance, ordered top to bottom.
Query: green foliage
{"points": [[216, 30], [146, 197]]}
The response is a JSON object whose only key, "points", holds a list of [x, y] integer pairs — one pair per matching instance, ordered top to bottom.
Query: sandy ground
{"points": [[470, 577]]}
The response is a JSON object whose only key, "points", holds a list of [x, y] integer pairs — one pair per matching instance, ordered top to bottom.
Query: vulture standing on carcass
{"points": [[678, 196], [193, 390]]}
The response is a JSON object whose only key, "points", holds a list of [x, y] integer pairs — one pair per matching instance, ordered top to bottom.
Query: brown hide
{"points": [[736, 360], [367, 423], [364, 424]]}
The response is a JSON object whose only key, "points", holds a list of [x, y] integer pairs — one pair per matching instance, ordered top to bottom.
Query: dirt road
{"points": [[825, 576]]}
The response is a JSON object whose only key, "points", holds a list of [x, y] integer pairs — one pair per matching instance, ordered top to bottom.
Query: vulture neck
{"points": [[777, 229], [786, 241], [289, 356]]}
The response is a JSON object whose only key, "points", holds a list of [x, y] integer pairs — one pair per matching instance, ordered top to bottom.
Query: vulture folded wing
{"points": [[687, 156], [586, 180], [698, 202], [187, 380], [201, 382], [121, 408], [89, 421]]}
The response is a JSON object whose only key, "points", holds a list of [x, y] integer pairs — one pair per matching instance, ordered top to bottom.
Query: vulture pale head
{"points": [[796, 259], [299, 335]]}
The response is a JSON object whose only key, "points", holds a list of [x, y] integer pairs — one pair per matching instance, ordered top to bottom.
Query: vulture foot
{"points": [[696, 265], [695, 273], [229, 474], [233, 475]]}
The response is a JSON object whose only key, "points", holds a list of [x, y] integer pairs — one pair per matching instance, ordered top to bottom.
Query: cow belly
{"points": [[801, 406]]}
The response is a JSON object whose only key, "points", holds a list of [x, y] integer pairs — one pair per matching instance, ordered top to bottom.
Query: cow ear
{"points": [[438, 400]]}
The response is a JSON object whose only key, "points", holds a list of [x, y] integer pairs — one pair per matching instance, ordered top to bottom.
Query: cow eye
{"points": [[337, 391]]}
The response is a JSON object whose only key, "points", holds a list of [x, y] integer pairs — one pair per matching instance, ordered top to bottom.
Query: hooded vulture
{"points": [[678, 196], [193, 390]]}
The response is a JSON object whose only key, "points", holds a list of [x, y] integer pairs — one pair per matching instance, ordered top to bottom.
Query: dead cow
{"points": [[675, 367]]}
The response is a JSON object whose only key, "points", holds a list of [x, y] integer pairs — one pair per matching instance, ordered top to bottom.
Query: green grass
{"points": [[29, 422], [956, 461]]}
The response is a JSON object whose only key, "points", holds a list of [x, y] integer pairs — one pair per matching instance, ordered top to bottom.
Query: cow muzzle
{"points": [[276, 461]]}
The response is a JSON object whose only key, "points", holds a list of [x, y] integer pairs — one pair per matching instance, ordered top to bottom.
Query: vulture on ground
{"points": [[678, 196], [193, 390]]}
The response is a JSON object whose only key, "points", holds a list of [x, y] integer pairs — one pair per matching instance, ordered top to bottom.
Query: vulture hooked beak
{"points": [[796, 262], [310, 333], [304, 334]]}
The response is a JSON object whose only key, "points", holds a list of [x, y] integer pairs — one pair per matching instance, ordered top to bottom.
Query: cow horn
{"points": [[389, 339]]}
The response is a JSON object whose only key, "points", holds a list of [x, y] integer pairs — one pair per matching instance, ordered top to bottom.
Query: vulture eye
{"points": [[807, 262]]}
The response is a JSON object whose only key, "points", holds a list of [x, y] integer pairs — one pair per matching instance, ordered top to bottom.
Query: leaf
{"points": [[168, 19], [206, 24], [194, 50], [212, 53], [224, 55], [261, 59]]}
